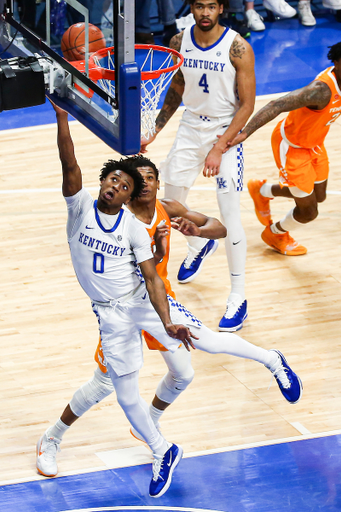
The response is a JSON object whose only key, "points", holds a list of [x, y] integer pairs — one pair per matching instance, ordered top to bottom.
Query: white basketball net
{"points": [[151, 89]]}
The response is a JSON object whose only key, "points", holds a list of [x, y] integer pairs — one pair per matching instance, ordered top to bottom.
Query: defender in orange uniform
{"points": [[300, 155]]}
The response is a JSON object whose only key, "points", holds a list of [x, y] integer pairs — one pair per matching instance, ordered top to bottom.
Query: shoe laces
{"points": [[303, 4], [255, 16], [291, 243], [191, 256], [232, 307], [281, 374], [50, 447], [157, 466]]}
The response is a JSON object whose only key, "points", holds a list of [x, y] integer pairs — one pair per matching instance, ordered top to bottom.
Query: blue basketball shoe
{"points": [[192, 265], [235, 314], [289, 383], [163, 470]]}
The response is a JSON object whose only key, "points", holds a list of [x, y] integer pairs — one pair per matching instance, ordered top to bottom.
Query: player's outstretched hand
{"points": [[145, 142], [212, 162], [185, 226], [181, 333]]}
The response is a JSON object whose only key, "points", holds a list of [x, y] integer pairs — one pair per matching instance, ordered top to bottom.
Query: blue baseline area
{"points": [[288, 56], [300, 476]]}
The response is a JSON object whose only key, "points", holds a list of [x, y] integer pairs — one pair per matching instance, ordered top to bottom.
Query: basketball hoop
{"points": [[157, 69]]}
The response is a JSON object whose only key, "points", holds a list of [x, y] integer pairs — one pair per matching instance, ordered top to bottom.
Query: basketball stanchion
{"points": [[157, 65]]}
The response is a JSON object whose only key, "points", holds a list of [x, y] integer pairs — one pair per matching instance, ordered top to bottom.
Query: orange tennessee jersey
{"points": [[308, 128], [160, 215]]}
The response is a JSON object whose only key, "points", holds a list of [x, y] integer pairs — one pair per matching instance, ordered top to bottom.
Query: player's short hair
{"points": [[225, 3], [334, 53], [141, 161], [126, 166]]}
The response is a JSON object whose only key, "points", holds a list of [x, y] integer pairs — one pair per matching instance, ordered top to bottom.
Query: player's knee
{"points": [[321, 196], [310, 214], [177, 383], [91, 393], [128, 401]]}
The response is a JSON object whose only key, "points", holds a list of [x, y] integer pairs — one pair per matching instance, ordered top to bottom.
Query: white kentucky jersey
{"points": [[210, 78], [105, 249]]}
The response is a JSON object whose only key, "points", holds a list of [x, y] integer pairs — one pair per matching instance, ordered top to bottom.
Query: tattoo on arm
{"points": [[176, 41], [237, 49], [178, 78], [174, 94], [315, 96], [171, 103]]}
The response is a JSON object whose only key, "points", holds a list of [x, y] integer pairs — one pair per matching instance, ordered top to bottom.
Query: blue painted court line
{"points": [[299, 476]]}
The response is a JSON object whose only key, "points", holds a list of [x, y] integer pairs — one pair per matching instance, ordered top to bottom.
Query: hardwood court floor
{"points": [[49, 333]]}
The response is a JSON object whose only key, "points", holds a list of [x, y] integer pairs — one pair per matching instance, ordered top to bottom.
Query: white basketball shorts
{"points": [[194, 139], [120, 329]]}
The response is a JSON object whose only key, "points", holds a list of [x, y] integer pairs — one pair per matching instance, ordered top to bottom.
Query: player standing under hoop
{"points": [[217, 85]]}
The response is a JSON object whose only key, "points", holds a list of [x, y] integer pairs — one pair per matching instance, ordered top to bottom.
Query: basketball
{"points": [[73, 41]]}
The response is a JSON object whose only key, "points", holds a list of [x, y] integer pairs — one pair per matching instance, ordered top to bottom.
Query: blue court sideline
{"points": [[300, 476]]}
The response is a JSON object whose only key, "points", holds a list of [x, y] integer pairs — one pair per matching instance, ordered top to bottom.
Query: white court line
{"points": [[298, 426], [302, 437]]}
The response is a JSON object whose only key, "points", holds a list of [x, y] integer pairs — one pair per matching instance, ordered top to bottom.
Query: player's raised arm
{"points": [[243, 60], [316, 96], [173, 97], [72, 176], [192, 223], [158, 297]]}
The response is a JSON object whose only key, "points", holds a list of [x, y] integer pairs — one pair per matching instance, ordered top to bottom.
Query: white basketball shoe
{"points": [[304, 12], [47, 448]]}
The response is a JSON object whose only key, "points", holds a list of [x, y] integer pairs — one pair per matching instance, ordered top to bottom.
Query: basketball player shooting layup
{"points": [[215, 59], [299, 152], [121, 318]]}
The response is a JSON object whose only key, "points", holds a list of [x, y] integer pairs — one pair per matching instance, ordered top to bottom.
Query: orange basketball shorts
{"points": [[299, 167]]}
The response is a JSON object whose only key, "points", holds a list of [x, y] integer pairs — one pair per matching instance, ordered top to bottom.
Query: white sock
{"points": [[266, 190], [288, 223], [275, 230], [235, 242], [196, 243], [236, 297], [228, 343], [273, 360], [155, 414], [57, 430]]}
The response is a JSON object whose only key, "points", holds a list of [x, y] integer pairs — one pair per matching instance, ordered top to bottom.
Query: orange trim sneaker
{"points": [[262, 204], [284, 244], [47, 448]]}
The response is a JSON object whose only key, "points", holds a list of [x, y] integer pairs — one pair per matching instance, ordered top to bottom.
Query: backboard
{"points": [[28, 28]]}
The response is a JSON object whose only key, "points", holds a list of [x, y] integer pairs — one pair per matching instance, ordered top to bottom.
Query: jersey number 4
{"points": [[203, 83]]}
